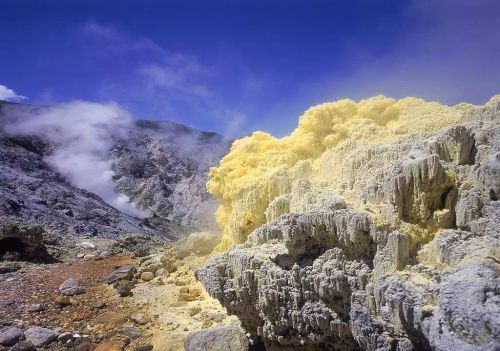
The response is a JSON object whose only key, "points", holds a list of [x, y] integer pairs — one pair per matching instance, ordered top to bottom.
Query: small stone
{"points": [[122, 273], [147, 276], [71, 287], [124, 288], [187, 294], [63, 301], [36, 307], [193, 311], [139, 318], [132, 332], [10, 336], [40, 336], [65, 337], [23, 345], [107, 347], [144, 347]]}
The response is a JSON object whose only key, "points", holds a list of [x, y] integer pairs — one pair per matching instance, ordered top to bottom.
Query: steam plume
{"points": [[82, 135]]}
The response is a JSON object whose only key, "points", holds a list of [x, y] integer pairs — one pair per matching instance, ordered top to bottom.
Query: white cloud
{"points": [[9, 94]]}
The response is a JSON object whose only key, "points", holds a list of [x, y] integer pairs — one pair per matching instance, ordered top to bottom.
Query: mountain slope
{"points": [[161, 166]]}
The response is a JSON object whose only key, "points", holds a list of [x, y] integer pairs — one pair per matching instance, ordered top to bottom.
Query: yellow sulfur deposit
{"points": [[263, 177]]}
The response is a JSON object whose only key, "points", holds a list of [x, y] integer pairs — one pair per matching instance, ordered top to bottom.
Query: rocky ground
{"points": [[104, 297]]}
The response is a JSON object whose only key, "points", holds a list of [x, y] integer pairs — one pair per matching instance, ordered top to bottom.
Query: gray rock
{"points": [[121, 273], [71, 287], [124, 287], [36, 307], [139, 318], [132, 332], [10, 336], [39, 336], [65, 337], [227, 338], [23, 345]]}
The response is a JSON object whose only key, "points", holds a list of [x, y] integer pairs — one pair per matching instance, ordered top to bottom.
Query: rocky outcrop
{"points": [[20, 242], [403, 255]]}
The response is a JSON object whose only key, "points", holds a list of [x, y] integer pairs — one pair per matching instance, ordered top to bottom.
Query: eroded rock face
{"points": [[24, 243], [409, 261], [227, 338]]}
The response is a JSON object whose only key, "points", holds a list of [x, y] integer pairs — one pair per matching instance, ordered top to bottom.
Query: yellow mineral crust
{"points": [[263, 176]]}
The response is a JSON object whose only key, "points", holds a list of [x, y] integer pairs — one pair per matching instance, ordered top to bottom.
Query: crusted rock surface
{"points": [[396, 247], [226, 338]]}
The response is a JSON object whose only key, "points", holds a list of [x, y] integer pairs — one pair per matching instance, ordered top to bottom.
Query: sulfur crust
{"points": [[253, 179]]}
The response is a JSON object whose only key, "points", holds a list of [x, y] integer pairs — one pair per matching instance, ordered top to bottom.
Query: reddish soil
{"points": [[99, 313]]}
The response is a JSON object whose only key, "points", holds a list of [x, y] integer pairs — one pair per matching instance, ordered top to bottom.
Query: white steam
{"points": [[82, 135]]}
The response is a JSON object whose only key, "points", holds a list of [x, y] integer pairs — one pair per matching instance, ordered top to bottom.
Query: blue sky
{"points": [[237, 66]]}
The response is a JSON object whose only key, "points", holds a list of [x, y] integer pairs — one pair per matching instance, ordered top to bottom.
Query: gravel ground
{"points": [[98, 315]]}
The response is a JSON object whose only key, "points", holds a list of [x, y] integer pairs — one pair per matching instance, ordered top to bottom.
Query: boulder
{"points": [[125, 272], [147, 276], [71, 287], [124, 287], [10, 336], [39, 336], [227, 338], [23, 345]]}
